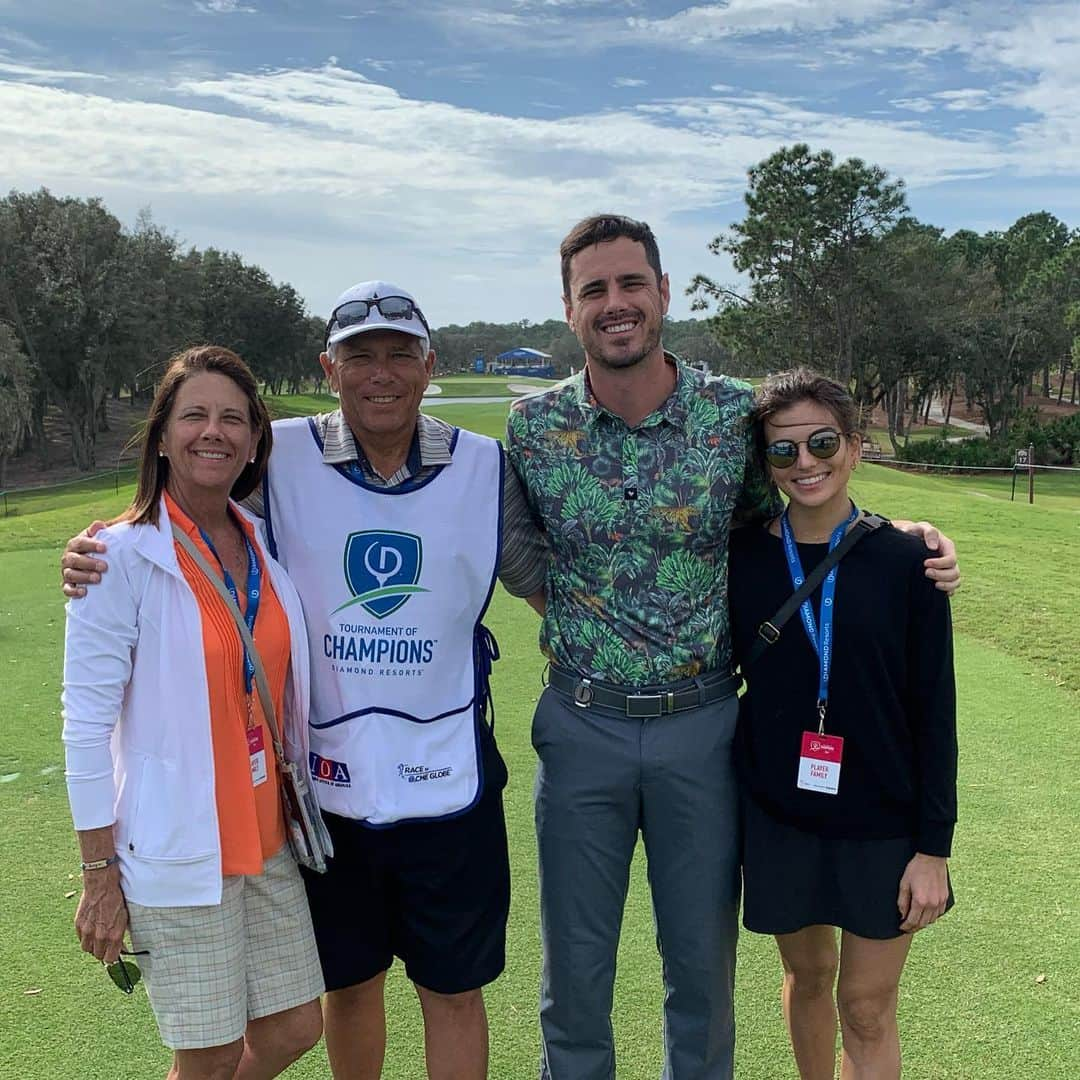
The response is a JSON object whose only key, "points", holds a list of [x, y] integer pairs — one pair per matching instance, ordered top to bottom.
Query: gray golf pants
{"points": [[603, 778]]}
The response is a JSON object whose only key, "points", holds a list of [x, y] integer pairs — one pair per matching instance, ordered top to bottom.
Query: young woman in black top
{"points": [[849, 765]]}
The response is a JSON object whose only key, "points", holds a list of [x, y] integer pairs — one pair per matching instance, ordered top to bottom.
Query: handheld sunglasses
{"points": [[356, 311], [823, 444], [125, 974]]}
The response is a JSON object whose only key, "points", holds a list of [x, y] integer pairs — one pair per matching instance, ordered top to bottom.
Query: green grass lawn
{"points": [[992, 993]]}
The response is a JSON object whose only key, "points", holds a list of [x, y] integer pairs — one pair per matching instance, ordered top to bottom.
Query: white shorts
{"points": [[209, 970]]}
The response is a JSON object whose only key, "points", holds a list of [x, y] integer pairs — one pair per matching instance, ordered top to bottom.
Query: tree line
{"points": [[843, 279], [91, 310], [458, 347]]}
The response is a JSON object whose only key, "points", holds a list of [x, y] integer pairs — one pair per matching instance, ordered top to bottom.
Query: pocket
{"points": [[543, 717], [387, 767], [166, 823]]}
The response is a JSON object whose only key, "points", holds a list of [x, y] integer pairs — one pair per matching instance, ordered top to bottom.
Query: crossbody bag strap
{"points": [[769, 631], [265, 697]]}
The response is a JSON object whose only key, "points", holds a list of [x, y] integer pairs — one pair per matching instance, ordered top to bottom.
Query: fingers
{"points": [[94, 528], [931, 537], [83, 544], [83, 562], [80, 569], [944, 573], [903, 899], [925, 906], [914, 919], [101, 922]]}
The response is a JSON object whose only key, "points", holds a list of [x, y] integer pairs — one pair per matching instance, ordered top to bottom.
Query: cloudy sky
{"points": [[448, 146]]}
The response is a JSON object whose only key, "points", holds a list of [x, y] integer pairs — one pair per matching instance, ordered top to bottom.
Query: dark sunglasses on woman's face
{"points": [[357, 311], [822, 443]]}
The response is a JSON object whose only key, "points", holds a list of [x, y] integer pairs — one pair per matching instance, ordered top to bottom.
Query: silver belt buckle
{"points": [[583, 693]]}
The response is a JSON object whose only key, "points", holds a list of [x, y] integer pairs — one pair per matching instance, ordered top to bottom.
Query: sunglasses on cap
{"points": [[389, 307], [823, 444]]}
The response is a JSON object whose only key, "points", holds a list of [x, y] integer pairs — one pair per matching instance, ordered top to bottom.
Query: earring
{"points": [[161, 453], [251, 461]]}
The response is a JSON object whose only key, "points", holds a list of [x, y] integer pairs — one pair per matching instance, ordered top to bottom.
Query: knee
{"points": [[814, 979], [358, 996], [455, 1006], [866, 1018], [305, 1028], [285, 1037], [211, 1063]]}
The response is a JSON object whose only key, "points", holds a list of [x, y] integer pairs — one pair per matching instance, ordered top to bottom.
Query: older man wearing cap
{"points": [[389, 522]]}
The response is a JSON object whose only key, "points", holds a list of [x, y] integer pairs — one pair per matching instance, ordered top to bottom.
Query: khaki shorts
{"points": [[209, 970]]}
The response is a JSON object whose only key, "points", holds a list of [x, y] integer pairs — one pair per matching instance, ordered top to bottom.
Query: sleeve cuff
{"points": [[935, 838]]}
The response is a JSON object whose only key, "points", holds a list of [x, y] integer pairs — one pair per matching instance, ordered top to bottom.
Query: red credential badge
{"points": [[257, 754], [819, 763]]}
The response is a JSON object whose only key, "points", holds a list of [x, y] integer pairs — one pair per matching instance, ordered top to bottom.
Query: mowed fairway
{"points": [[991, 992]]}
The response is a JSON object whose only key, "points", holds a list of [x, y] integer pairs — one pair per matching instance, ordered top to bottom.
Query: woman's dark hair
{"points": [[604, 227], [787, 388], [153, 469]]}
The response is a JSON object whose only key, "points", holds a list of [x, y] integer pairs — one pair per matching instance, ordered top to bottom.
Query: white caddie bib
{"points": [[394, 584]]}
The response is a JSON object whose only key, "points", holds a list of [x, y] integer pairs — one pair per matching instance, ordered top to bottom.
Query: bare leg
{"points": [[810, 959], [866, 994], [356, 1030], [455, 1034], [272, 1043], [209, 1063]]}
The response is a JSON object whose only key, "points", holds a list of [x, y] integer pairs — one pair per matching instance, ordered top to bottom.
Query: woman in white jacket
{"points": [[170, 768]]}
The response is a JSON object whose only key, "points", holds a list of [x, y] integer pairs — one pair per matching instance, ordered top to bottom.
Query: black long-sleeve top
{"points": [[892, 693]]}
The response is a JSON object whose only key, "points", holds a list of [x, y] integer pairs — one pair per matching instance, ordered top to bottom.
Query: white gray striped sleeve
{"points": [[525, 552]]}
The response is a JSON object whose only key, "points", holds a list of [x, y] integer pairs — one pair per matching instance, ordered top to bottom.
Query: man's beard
{"points": [[622, 361]]}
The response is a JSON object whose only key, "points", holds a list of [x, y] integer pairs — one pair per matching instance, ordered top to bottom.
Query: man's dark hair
{"points": [[601, 228]]}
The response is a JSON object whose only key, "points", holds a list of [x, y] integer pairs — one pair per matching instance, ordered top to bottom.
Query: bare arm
{"points": [[102, 918]]}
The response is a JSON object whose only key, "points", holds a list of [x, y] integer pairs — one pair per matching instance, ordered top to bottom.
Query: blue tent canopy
{"points": [[529, 355], [531, 362]]}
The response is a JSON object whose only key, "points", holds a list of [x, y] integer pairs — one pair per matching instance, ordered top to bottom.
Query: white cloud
{"points": [[223, 7], [736, 18], [47, 75], [622, 81], [969, 100], [916, 104]]}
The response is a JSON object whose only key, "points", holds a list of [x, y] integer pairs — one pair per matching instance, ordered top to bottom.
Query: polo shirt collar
{"points": [[672, 411], [430, 443]]}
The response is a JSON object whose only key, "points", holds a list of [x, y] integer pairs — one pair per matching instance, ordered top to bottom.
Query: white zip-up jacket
{"points": [[137, 715]]}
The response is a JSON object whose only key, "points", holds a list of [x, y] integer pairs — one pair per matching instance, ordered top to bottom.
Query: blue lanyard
{"points": [[254, 588], [820, 639]]}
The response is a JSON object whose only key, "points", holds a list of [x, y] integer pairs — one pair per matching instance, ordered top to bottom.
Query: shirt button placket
{"points": [[630, 473]]}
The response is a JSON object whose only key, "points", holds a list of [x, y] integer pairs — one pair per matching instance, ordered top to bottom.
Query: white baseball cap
{"points": [[389, 307]]}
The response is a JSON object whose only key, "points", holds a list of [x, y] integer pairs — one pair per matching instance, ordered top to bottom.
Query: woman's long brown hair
{"points": [[154, 469]]}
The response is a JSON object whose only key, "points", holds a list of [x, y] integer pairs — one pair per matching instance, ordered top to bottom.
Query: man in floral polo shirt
{"points": [[637, 468]]}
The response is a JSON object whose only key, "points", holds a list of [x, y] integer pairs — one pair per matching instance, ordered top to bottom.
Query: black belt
{"points": [[656, 702]]}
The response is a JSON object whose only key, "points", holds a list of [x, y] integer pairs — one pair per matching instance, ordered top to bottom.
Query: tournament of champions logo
{"points": [[382, 570]]}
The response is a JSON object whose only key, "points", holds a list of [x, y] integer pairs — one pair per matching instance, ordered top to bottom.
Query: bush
{"points": [[1056, 442]]}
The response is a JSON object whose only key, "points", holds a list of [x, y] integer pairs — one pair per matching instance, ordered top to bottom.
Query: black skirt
{"points": [[793, 879]]}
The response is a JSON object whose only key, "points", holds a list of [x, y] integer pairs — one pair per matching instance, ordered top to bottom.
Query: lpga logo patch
{"points": [[382, 570], [327, 771]]}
